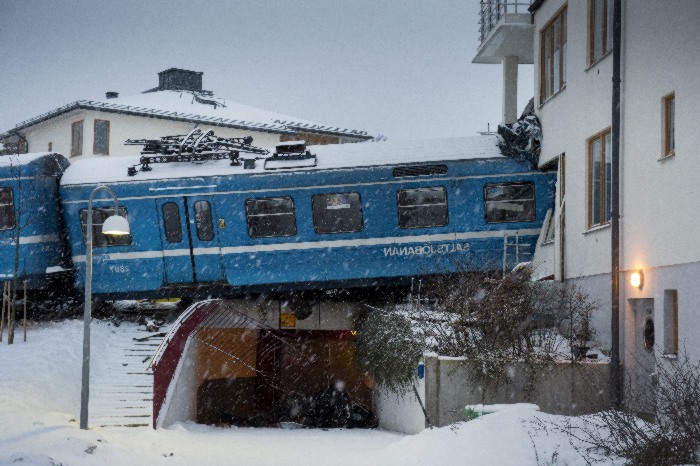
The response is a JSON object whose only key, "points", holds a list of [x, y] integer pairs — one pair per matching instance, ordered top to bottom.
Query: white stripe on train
{"points": [[393, 240]]}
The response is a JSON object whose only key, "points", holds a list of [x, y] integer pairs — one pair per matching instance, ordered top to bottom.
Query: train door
{"points": [[191, 251]]}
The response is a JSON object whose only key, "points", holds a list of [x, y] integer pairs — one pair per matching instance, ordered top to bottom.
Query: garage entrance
{"points": [[222, 366]]}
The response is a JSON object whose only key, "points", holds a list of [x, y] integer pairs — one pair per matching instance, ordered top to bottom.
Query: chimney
{"points": [[175, 79], [111, 94]]}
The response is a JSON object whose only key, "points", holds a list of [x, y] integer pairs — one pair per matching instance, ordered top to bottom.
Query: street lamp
{"points": [[113, 226]]}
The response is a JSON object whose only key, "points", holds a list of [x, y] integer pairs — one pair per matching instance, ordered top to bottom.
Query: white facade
{"points": [[57, 132], [659, 216]]}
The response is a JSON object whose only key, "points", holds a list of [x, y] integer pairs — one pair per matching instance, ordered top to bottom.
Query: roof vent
{"points": [[175, 79], [111, 95], [420, 170]]}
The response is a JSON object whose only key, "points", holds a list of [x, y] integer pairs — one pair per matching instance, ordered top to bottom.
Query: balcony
{"points": [[505, 29]]}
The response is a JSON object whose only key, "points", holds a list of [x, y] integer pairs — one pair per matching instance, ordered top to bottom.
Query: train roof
{"points": [[336, 156], [48, 163]]}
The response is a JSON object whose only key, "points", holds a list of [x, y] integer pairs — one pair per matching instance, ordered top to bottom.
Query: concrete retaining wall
{"points": [[560, 388]]}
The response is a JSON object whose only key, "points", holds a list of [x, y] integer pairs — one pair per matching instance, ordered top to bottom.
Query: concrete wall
{"points": [[561, 388], [401, 413]]}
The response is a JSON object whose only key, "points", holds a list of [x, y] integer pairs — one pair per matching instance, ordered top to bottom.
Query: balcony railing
{"points": [[493, 10]]}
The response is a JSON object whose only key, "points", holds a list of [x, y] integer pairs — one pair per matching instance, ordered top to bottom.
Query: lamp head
{"points": [[116, 226]]}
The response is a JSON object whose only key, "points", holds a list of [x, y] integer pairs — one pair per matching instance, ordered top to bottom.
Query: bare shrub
{"points": [[489, 319], [674, 437]]}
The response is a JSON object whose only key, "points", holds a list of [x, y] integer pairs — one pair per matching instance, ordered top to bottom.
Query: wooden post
{"points": [[2, 318], [24, 323]]}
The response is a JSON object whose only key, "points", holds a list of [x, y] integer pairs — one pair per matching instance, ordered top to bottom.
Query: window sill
{"points": [[598, 60], [562, 89], [666, 157], [594, 228], [671, 356]]}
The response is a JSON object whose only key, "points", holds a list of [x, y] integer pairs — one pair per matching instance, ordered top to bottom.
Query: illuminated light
{"points": [[116, 226], [637, 279], [353, 332]]}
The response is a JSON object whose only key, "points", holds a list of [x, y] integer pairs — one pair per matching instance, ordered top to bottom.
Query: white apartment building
{"points": [[570, 45], [178, 104]]}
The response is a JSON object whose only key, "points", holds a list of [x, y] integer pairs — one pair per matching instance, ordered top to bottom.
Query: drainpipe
{"points": [[615, 389]]}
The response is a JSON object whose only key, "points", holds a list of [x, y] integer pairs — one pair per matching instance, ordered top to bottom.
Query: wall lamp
{"points": [[637, 279]]}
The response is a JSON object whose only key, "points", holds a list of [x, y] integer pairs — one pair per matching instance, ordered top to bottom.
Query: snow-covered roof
{"points": [[197, 107], [367, 154], [23, 159]]}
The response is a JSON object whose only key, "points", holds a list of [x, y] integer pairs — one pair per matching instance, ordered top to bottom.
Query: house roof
{"points": [[196, 107], [333, 156]]}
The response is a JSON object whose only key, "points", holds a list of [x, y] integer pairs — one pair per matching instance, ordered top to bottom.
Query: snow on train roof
{"points": [[354, 155], [24, 159]]}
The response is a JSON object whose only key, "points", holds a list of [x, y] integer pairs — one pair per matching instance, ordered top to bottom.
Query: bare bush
{"points": [[674, 437]]}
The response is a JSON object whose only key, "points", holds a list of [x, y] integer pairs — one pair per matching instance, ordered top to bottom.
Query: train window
{"points": [[514, 202], [422, 207], [7, 209], [337, 213], [99, 215], [202, 217], [271, 217], [172, 222]]}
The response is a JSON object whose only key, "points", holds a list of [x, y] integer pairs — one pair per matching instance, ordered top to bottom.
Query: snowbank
{"points": [[39, 405]]}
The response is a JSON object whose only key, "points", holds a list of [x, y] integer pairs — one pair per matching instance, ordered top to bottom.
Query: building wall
{"points": [[123, 127], [658, 214]]}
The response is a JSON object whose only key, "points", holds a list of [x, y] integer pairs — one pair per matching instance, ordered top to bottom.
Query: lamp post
{"points": [[113, 226]]}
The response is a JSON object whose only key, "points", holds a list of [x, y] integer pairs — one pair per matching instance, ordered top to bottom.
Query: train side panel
{"points": [[30, 209]]}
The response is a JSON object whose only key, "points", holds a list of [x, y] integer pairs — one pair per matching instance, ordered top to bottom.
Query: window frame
{"points": [[548, 30], [605, 31], [669, 127], [94, 134], [600, 138], [76, 149], [516, 183], [399, 206], [12, 211], [314, 211], [249, 215], [99, 239], [670, 322]]}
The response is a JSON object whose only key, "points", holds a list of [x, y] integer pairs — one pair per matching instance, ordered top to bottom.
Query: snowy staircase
{"points": [[121, 394]]}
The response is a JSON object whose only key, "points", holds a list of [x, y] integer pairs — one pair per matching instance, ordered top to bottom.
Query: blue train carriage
{"points": [[30, 210], [336, 216]]}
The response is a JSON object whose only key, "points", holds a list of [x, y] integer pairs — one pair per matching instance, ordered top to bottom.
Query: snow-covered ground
{"points": [[39, 409]]}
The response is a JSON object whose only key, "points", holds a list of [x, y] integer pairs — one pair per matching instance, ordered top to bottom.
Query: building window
{"points": [[600, 29], [553, 56], [669, 124], [101, 141], [76, 145], [599, 178], [512, 202], [422, 207], [7, 209], [337, 213], [99, 215], [271, 217], [203, 220], [172, 222], [670, 321]]}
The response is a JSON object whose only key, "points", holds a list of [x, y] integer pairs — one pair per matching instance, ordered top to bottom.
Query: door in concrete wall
{"points": [[640, 361]]}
